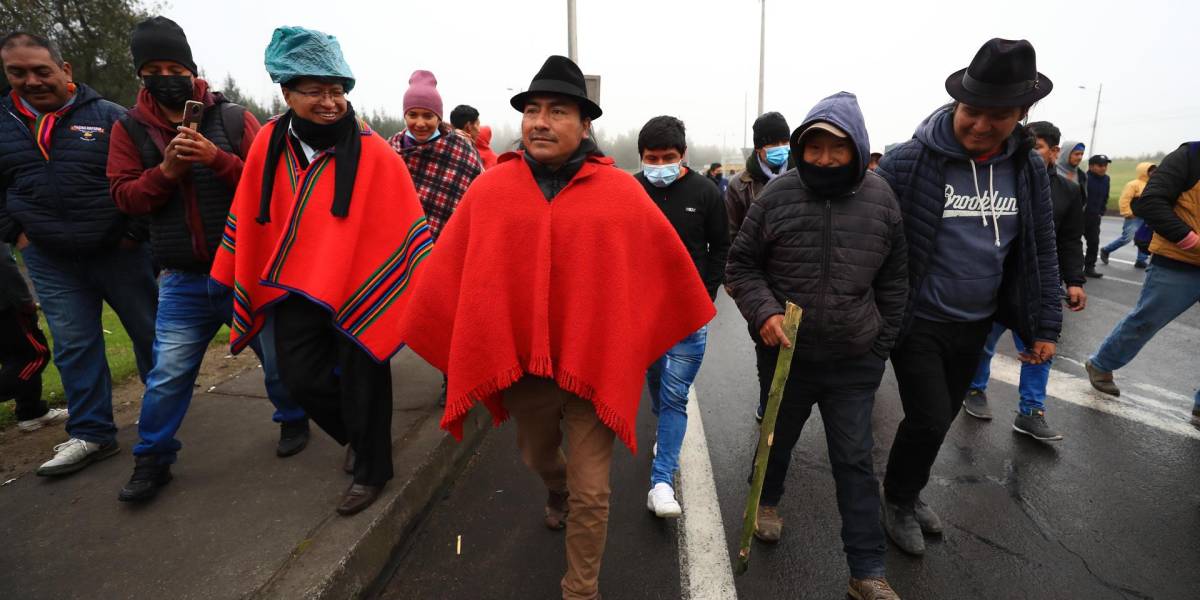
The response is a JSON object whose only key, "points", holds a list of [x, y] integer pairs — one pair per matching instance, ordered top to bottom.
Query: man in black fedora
{"points": [[981, 248], [554, 287]]}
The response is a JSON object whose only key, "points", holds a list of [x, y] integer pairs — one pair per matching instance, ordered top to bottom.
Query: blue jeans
{"points": [[1127, 230], [71, 291], [1167, 292], [191, 309], [1034, 378], [668, 381]]}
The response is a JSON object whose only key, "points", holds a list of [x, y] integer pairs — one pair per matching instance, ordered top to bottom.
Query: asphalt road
{"points": [[1112, 511]]}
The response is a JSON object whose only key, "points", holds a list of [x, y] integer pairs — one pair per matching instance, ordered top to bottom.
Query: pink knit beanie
{"points": [[422, 93]]}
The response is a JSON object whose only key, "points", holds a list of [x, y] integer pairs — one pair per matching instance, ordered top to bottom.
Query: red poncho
{"points": [[360, 267], [588, 289]]}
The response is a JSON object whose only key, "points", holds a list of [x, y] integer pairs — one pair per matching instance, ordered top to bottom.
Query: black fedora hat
{"points": [[1003, 73], [559, 75]]}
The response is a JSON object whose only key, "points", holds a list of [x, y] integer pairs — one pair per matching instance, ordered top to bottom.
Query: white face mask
{"points": [[662, 175]]}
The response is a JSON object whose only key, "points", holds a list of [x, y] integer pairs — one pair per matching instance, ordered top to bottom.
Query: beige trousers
{"points": [[543, 411]]}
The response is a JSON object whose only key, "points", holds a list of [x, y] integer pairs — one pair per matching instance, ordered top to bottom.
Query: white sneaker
{"points": [[54, 415], [75, 454], [661, 501]]}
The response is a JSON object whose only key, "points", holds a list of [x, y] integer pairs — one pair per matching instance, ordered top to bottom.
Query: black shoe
{"points": [[1104, 256], [1141, 264], [1093, 273], [293, 437], [148, 477], [357, 497]]}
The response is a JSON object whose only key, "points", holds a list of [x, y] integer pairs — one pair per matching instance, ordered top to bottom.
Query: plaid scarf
{"points": [[41, 125], [442, 169]]}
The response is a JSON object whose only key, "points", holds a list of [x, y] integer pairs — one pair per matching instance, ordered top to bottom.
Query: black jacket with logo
{"points": [[694, 207]]}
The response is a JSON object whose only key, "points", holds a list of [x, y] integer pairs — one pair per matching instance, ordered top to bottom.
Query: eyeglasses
{"points": [[320, 94]]}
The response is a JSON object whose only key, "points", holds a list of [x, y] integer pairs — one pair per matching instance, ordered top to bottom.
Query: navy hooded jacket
{"points": [[63, 204], [840, 257], [1029, 293]]}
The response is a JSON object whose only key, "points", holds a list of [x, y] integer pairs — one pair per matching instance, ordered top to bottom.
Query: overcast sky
{"points": [[698, 60]]}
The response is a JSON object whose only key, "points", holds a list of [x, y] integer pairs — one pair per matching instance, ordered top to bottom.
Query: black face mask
{"points": [[172, 91], [321, 136], [829, 181]]}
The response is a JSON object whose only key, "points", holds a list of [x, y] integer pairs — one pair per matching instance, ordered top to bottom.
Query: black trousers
{"points": [[1091, 235], [24, 354], [934, 365], [340, 386], [844, 390]]}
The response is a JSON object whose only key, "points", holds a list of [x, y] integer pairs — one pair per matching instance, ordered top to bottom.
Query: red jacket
{"points": [[483, 144]]}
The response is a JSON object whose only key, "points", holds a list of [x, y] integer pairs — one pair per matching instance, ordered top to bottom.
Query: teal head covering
{"points": [[298, 52]]}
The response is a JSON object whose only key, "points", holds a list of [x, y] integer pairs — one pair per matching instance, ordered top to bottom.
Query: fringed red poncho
{"points": [[360, 267], [587, 289]]}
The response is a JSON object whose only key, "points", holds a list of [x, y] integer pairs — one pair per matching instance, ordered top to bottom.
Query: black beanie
{"points": [[159, 38], [769, 128]]}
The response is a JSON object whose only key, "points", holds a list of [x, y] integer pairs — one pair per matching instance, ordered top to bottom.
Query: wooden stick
{"points": [[766, 435]]}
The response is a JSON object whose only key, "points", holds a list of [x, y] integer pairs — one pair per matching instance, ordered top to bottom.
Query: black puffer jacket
{"points": [[841, 259]]}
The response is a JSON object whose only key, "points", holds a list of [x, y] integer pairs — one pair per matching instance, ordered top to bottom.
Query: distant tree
{"points": [[92, 34], [234, 94]]}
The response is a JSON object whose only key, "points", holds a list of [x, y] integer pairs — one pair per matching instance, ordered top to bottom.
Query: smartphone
{"points": [[193, 111]]}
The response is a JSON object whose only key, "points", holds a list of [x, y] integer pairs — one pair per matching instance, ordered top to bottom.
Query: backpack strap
{"points": [[233, 117], [141, 140]]}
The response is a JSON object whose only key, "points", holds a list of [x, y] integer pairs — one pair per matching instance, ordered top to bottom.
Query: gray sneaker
{"points": [[1101, 380], [975, 403], [1035, 427], [929, 521], [901, 525]]}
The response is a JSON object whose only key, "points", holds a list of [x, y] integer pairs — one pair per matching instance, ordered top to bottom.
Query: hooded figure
{"points": [[483, 144], [1065, 169], [1133, 189], [829, 237]]}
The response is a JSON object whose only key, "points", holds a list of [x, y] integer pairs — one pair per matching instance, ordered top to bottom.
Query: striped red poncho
{"points": [[360, 266], [588, 290]]}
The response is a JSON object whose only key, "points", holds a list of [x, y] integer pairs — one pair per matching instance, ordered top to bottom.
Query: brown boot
{"points": [[1101, 380], [357, 497], [556, 510], [768, 525], [874, 588]]}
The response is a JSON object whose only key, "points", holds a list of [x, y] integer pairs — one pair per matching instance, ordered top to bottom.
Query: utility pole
{"points": [[572, 45], [762, 53], [1095, 118]]}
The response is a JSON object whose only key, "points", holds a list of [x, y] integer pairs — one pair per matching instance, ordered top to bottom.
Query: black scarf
{"points": [[343, 136], [552, 181], [830, 181]]}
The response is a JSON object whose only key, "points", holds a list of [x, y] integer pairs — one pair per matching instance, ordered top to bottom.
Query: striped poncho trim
{"points": [[371, 298]]}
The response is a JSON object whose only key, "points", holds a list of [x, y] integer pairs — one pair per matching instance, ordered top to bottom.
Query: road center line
{"points": [[1076, 390], [704, 565]]}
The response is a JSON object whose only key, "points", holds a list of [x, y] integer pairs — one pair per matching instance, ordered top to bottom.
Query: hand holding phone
{"points": [[193, 112]]}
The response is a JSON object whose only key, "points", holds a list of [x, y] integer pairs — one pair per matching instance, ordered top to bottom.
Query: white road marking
{"points": [[1121, 260], [1108, 277], [1166, 416], [703, 550]]}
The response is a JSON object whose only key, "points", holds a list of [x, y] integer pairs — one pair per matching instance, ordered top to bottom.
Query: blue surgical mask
{"points": [[777, 156], [661, 175]]}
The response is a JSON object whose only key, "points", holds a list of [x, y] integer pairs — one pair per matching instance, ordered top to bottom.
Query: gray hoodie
{"points": [[1065, 169], [979, 224]]}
